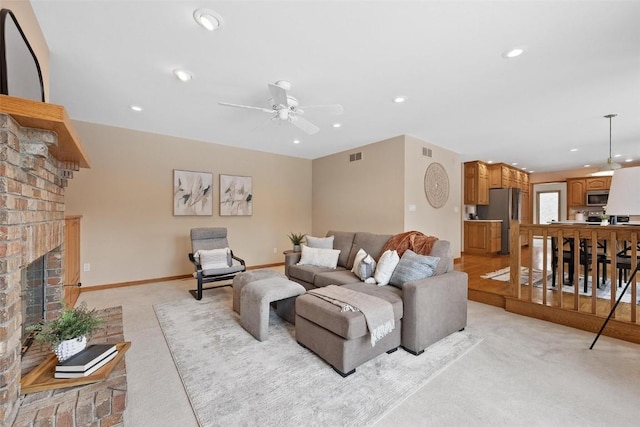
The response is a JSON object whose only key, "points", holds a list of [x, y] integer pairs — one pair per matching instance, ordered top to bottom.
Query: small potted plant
{"points": [[297, 240], [67, 334]]}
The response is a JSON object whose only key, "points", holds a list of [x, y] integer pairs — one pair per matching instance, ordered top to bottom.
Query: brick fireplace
{"points": [[32, 183]]}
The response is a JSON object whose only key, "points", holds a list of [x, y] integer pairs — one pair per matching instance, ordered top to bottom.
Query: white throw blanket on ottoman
{"points": [[377, 312]]}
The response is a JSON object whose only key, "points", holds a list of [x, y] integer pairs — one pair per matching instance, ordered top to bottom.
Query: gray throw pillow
{"points": [[320, 242], [413, 267], [366, 268]]}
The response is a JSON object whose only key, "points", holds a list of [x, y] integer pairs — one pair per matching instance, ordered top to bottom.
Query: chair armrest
{"points": [[291, 258], [240, 260], [196, 263], [434, 308]]}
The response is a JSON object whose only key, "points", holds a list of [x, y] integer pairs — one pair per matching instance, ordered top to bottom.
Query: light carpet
{"points": [[233, 379]]}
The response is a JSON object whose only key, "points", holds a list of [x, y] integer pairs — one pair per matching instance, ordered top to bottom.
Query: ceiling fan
{"points": [[284, 107]]}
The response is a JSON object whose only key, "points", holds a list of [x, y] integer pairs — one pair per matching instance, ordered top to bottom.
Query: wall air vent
{"points": [[427, 152], [355, 156]]}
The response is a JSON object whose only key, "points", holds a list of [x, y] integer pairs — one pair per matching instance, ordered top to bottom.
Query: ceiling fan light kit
{"points": [[285, 108], [610, 166]]}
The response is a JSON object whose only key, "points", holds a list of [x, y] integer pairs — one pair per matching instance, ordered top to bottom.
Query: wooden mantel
{"points": [[41, 115]]}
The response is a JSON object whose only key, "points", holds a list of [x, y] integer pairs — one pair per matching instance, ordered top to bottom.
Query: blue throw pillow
{"points": [[413, 267]]}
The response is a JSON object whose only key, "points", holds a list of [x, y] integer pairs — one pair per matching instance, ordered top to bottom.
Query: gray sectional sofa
{"points": [[428, 309]]}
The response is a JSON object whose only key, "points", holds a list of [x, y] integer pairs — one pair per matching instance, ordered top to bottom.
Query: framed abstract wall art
{"points": [[192, 193], [236, 195]]}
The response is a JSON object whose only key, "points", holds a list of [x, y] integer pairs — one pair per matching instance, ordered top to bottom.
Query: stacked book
{"points": [[86, 362]]}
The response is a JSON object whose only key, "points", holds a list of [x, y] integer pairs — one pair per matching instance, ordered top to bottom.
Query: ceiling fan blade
{"points": [[278, 94], [227, 104], [333, 108], [304, 125]]}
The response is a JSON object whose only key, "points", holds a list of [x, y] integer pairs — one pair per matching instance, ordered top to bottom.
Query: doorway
{"points": [[548, 207]]}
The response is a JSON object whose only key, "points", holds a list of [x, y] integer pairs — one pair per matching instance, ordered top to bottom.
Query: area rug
{"points": [[503, 275], [603, 292], [233, 379]]}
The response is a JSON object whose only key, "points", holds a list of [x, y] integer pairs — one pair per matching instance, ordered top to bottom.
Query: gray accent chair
{"points": [[212, 238]]}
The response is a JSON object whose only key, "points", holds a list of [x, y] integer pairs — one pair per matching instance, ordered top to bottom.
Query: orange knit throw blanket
{"points": [[414, 240]]}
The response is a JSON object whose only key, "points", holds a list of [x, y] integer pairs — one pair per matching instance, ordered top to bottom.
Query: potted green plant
{"points": [[297, 240], [67, 334]]}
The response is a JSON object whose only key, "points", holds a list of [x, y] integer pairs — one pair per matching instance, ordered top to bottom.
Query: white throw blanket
{"points": [[377, 312]]}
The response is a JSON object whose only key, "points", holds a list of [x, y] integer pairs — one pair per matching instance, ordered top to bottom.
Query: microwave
{"points": [[597, 197]]}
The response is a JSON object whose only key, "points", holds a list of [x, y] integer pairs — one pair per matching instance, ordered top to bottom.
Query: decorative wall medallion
{"points": [[436, 185]]}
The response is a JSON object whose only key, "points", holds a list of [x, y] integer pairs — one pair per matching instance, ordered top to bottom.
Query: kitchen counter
{"points": [[483, 220], [573, 222]]}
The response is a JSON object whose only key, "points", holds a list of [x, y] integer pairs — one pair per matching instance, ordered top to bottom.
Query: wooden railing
{"points": [[608, 241]]}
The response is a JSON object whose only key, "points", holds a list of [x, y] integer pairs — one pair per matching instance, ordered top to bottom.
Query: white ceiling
{"points": [[582, 61]]}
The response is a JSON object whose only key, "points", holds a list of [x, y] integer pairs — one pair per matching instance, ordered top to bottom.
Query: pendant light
{"points": [[611, 165]]}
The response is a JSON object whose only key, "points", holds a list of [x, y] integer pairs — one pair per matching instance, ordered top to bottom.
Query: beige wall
{"points": [[26, 18], [374, 194], [365, 195], [444, 222], [128, 230]]}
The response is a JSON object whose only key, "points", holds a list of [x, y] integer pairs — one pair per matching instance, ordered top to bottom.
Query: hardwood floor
{"points": [[575, 312]]}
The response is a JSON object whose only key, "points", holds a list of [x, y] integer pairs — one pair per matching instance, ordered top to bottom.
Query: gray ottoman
{"points": [[240, 280], [256, 298], [341, 338]]}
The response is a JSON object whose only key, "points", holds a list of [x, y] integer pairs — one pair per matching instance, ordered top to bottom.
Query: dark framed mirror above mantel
{"points": [[20, 73]]}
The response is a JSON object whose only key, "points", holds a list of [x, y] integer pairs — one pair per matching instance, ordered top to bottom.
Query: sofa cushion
{"points": [[342, 240], [320, 242], [371, 243], [442, 249], [360, 255], [319, 257], [413, 267], [307, 273], [335, 277], [347, 324]]}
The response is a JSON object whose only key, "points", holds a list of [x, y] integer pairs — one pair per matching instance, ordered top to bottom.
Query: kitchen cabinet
{"points": [[498, 176], [476, 183], [598, 183], [576, 189], [525, 208], [482, 237]]}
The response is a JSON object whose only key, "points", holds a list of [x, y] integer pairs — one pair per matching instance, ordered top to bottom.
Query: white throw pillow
{"points": [[320, 242], [319, 257], [359, 257], [213, 258], [387, 263]]}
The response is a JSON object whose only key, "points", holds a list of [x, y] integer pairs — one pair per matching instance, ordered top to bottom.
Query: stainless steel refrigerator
{"points": [[504, 204]]}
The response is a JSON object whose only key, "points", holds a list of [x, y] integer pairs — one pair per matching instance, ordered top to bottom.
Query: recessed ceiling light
{"points": [[208, 19], [513, 53], [182, 75], [399, 99], [135, 107], [337, 125], [296, 141], [573, 150], [618, 155], [629, 160], [489, 161], [514, 164], [587, 166], [531, 171]]}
